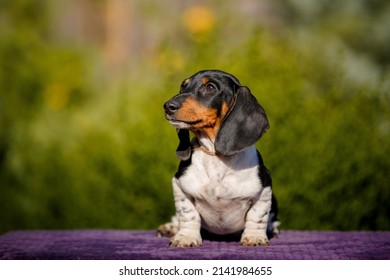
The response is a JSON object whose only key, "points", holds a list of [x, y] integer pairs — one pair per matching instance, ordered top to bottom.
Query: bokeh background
{"points": [[83, 138]]}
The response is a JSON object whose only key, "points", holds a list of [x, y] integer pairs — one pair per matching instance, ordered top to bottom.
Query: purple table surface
{"points": [[144, 245]]}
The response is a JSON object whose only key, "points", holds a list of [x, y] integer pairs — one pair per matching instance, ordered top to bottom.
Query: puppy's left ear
{"points": [[242, 126], [183, 151]]}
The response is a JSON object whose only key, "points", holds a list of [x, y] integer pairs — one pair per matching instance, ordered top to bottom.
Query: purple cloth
{"points": [[128, 244]]}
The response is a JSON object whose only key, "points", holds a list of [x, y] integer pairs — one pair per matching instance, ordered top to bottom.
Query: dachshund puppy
{"points": [[222, 186]]}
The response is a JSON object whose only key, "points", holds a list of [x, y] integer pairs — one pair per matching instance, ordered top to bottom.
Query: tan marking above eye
{"points": [[205, 80], [184, 84]]}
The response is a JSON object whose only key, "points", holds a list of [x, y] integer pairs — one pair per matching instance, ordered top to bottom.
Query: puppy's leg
{"points": [[273, 221], [255, 232], [188, 234]]}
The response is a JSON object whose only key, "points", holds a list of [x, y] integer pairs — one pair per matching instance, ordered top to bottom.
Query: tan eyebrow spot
{"points": [[205, 80]]}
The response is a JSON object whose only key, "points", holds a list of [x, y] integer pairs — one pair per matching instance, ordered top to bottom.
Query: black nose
{"points": [[171, 107]]}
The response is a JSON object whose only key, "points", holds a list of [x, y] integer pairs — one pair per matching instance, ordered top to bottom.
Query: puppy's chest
{"points": [[217, 182]]}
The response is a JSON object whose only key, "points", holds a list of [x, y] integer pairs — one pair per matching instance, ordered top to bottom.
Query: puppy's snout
{"points": [[171, 107]]}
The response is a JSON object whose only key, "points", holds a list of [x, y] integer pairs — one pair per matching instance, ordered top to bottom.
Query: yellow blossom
{"points": [[199, 19]]}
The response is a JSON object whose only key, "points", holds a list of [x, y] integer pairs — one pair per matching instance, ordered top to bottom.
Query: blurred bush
{"points": [[83, 146]]}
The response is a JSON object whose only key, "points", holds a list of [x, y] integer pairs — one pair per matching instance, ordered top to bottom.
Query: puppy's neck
{"points": [[203, 142]]}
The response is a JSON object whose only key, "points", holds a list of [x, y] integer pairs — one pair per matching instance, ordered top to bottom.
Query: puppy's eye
{"points": [[210, 88]]}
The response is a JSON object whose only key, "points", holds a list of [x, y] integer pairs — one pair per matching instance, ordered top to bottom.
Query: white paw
{"points": [[275, 229], [167, 230], [186, 240], [254, 240]]}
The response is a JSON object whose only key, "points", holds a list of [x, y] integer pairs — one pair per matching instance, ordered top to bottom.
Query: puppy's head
{"points": [[213, 103]]}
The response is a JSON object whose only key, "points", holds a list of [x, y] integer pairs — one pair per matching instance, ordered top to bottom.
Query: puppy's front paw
{"points": [[167, 230], [186, 240], [254, 240]]}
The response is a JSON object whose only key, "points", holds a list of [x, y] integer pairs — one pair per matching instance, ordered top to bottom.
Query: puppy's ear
{"points": [[242, 126], [183, 151]]}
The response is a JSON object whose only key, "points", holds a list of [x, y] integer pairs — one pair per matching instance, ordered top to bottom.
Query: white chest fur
{"points": [[222, 189]]}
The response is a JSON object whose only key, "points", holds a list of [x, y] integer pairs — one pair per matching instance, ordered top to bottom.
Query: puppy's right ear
{"points": [[242, 126], [183, 151]]}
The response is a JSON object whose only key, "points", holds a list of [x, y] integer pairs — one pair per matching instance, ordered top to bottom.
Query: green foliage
{"points": [[77, 155]]}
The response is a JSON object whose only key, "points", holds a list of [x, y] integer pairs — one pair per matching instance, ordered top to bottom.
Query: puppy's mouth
{"points": [[181, 123]]}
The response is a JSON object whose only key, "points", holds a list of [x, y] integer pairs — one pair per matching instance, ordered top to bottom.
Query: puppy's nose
{"points": [[171, 107]]}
